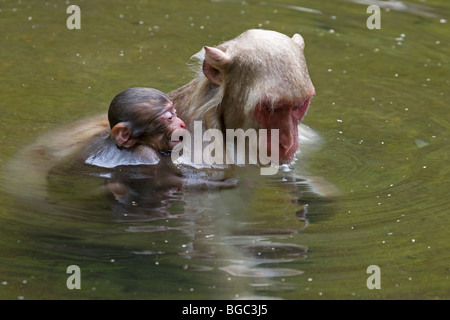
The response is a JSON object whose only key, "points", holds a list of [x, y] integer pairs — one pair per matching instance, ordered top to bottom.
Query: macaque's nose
{"points": [[182, 124], [288, 135]]}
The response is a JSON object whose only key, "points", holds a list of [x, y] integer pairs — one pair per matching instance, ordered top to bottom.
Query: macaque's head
{"points": [[263, 81], [143, 116]]}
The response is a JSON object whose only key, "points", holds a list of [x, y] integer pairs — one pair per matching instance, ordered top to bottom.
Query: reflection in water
{"points": [[139, 199], [216, 239], [265, 253], [240, 270]]}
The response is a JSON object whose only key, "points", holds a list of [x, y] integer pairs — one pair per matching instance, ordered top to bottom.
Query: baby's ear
{"points": [[121, 133]]}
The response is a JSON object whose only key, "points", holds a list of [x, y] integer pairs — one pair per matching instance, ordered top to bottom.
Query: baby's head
{"points": [[143, 116]]}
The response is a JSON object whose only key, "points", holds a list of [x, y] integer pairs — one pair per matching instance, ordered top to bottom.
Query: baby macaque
{"points": [[141, 122], [139, 141]]}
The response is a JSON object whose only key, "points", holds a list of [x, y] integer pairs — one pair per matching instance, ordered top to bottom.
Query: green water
{"points": [[381, 106]]}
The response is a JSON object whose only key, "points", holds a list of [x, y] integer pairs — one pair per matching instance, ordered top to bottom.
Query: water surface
{"points": [[381, 106]]}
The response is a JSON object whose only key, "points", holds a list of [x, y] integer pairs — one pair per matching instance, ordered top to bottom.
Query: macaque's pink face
{"points": [[265, 72], [264, 80], [284, 116], [173, 123]]}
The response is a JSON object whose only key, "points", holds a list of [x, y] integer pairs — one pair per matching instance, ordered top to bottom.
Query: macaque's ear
{"points": [[298, 39], [214, 64], [122, 135]]}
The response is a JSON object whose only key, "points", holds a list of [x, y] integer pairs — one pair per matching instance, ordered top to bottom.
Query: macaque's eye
{"points": [[269, 108], [296, 109], [299, 110], [169, 116]]}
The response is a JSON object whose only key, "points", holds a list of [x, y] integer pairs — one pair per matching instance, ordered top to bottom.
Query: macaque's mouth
{"points": [[174, 143], [282, 154]]}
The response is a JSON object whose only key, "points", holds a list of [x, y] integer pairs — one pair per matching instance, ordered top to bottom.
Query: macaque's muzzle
{"points": [[285, 117], [173, 143]]}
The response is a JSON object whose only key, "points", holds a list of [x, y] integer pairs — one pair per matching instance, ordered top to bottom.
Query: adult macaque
{"points": [[257, 80]]}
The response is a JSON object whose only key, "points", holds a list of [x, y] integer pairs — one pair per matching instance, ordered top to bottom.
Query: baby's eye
{"points": [[168, 116]]}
